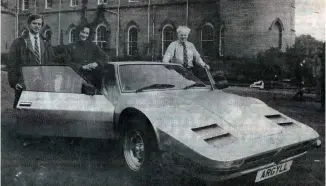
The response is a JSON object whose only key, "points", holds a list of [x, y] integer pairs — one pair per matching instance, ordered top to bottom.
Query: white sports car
{"points": [[164, 116]]}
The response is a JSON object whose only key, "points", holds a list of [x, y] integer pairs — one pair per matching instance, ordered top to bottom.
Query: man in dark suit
{"points": [[28, 49]]}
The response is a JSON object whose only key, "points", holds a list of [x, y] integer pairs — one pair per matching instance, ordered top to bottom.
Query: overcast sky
{"points": [[310, 18]]}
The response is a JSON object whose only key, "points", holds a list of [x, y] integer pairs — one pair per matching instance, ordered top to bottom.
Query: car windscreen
{"points": [[134, 77], [61, 79]]}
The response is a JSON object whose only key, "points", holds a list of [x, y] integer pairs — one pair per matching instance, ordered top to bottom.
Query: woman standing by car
{"points": [[85, 57]]}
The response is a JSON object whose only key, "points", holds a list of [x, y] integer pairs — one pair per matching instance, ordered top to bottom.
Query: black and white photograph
{"points": [[162, 92]]}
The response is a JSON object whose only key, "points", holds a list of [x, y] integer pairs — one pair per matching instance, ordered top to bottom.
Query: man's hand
{"points": [[93, 65], [90, 66], [86, 67], [207, 67], [18, 86]]}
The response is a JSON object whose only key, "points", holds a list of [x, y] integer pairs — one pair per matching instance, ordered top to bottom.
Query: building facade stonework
{"points": [[8, 27], [144, 28]]}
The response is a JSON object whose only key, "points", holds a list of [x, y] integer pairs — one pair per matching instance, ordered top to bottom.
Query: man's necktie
{"points": [[37, 51], [185, 56]]}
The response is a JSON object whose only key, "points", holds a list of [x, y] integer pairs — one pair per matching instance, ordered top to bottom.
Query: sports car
{"points": [[163, 116]]}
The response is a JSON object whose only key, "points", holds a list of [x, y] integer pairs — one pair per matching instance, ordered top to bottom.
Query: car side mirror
{"points": [[220, 80], [222, 84], [88, 89]]}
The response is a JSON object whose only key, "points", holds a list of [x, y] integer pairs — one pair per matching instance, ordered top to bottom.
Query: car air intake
{"points": [[279, 119], [210, 132]]}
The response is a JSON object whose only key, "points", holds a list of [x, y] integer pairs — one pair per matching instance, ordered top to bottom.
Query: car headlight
{"points": [[316, 143]]}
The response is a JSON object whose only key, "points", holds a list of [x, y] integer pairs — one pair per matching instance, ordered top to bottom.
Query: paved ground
{"points": [[97, 162]]}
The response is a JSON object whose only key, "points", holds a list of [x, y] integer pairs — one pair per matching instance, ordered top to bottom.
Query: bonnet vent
{"points": [[279, 119], [211, 132]]}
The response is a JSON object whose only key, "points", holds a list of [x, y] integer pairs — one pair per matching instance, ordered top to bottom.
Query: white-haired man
{"points": [[177, 51]]}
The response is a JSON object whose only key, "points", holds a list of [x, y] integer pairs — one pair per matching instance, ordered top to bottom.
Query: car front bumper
{"points": [[184, 166], [196, 171]]}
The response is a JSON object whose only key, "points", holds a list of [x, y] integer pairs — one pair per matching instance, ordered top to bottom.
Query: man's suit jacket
{"points": [[21, 54]]}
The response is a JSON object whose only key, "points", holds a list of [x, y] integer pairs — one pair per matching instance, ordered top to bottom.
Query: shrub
{"points": [[264, 66]]}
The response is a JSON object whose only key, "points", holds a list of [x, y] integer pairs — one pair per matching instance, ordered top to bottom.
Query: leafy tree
{"points": [[306, 44], [300, 56], [273, 62]]}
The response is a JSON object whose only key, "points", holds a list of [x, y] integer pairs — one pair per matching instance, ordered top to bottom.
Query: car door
{"points": [[53, 104]]}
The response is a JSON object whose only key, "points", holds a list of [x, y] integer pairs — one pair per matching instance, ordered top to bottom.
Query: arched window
{"points": [[277, 32], [73, 35], [277, 35], [168, 36], [101, 38], [207, 40], [221, 47], [132, 49]]}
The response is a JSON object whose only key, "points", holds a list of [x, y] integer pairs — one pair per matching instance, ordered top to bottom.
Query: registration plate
{"points": [[273, 171]]}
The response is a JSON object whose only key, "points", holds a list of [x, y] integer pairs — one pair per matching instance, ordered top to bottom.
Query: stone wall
{"points": [[8, 25], [248, 25]]}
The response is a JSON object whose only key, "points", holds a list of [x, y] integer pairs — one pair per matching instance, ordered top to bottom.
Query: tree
{"points": [[306, 44], [303, 50], [271, 62]]}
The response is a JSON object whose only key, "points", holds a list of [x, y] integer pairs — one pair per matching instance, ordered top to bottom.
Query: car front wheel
{"points": [[134, 149], [140, 150]]}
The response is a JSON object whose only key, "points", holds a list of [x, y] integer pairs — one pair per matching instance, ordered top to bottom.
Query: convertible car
{"points": [[164, 116]]}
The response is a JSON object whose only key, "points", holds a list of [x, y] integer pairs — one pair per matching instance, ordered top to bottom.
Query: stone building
{"points": [[8, 25], [142, 29]]}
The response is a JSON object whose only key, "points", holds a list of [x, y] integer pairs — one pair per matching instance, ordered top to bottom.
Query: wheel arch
{"points": [[120, 126]]}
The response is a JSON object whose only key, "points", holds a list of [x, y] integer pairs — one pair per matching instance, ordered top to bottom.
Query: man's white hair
{"points": [[183, 29]]}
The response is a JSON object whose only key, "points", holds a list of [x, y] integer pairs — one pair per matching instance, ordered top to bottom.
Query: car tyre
{"points": [[140, 151]]}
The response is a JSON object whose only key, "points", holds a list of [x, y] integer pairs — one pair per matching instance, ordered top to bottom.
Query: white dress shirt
{"points": [[31, 37], [174, 53]]}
